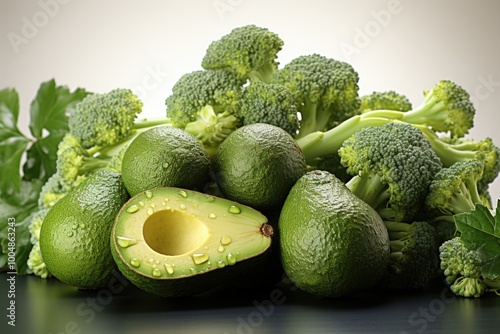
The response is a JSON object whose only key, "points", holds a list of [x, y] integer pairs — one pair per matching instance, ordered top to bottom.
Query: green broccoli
{"points": [[249, 52], [325, 89], [387, 100], [269, 103], [446, 108], [104, 119], [392, 166], [454, 189], [53, 190], [414, 258], [35, 261], [462, 269]]}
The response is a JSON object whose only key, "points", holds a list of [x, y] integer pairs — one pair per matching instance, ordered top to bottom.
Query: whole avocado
{"points": [[332, 243]]}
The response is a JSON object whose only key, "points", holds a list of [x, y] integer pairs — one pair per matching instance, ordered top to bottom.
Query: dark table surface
{"points": [[48, 306]]}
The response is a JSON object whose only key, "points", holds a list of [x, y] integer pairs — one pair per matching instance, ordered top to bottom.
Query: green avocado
{"points": [[74, 237], [176, 242], [332, 243]]}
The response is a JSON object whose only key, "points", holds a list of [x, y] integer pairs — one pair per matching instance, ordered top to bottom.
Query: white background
{"points": [[147, 45]]}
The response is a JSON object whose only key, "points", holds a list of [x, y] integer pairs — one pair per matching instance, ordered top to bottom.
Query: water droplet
{"points": [[165, 165], [149, 194], [183, 194], [210, 198], [166, 199], [141, 204], [153, 205], [182, 207], [132, 209], [234, 209], [150, 211], [212, 215], [82, 225], [74, 226], [70, 234], [225, 240], [125, 242], [220, 249], [200, 258], [231, 259], [151, 260], [135, 262], [220, 264], [169, 268], [192, 270], [156, 272]]}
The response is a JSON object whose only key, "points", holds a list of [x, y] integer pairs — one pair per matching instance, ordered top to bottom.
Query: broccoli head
{"points": [[249, 52], [217, 88], [325, 89], [387, 100], [269, 103], [104, 119], [392, 167], [454, 189], [53, 190], [414, 258], [462, 269]]}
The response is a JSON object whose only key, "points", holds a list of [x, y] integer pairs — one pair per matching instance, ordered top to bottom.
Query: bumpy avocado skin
{"points": [[74, 238], [332, 243]]}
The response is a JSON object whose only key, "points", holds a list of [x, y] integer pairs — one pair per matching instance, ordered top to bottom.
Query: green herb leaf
{"points": [[48, 124], [12, 142], [480, 231]]}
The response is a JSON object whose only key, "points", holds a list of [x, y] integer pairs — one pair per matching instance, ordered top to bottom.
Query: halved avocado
{"points": [[177, 242]]}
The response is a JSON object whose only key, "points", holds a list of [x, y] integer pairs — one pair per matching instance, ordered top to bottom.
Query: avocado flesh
{"points": [[177, 242]]}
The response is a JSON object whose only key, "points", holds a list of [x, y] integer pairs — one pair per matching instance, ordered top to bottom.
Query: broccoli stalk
{"points": [[388, 100], [446, 108]]}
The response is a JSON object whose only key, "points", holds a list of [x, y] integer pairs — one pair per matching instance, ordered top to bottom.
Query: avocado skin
{"points": [[74, 238], [332, 243]]}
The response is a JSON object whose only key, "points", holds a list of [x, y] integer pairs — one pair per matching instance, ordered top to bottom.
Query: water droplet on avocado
{"points": [[165, 165], [149, 194], [183, 194], [210, 198], [141, 204], [182, 207], [132, 209], [234, 209], [150, 211], [212, 215], [82, 225], [70, 234], [225, 240], [125, 242], [220, 249], [200, 258], [231, 259], [135, 262], [220, 264], [169, 268], [192, 270], [156, 272]]}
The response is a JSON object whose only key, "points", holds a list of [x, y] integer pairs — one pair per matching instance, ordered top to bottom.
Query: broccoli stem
{"points": [[149, 123], [318, 144], [90, 164], [370, 188], [465, 199]]}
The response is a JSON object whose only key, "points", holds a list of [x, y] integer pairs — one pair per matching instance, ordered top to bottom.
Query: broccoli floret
{"points": [[250, 52], [325, 89], [387, 100], [269, 103], [446, 108], [104, 119], [332, 164], [392, 166], [454, 189], [53, 190], [414, 257], [35, 261], [462, 269]]}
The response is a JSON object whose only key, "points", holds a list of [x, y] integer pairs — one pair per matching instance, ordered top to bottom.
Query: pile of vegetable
{"points": [[414, 165]]}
